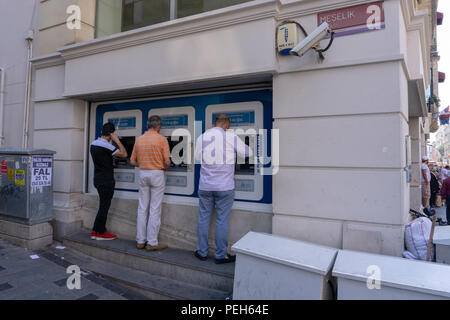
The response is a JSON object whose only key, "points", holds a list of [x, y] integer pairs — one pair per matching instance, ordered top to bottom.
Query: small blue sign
{"points": [[245, 118], [177, 121], [124, 123], [176, 181]]}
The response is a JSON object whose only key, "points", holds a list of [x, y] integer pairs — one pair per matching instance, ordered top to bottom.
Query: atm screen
{"points": [[124, 163], [181, 166], [246, 168]]}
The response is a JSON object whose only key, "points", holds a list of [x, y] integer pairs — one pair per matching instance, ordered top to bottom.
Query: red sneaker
{"points": [[94, 235], [105, 236]]}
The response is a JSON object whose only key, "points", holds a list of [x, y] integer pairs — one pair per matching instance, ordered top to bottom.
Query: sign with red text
{"points": [[356, 19], [4, 168]]}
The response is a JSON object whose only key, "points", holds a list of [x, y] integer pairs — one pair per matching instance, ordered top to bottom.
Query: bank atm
{"points": [[247, 116], [128, 127], [178, 127]]}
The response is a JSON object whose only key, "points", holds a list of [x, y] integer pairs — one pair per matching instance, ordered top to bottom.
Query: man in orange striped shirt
{"points": [[152, 154]]}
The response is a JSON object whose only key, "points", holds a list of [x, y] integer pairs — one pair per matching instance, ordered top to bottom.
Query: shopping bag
{"points": [[438, 200]]}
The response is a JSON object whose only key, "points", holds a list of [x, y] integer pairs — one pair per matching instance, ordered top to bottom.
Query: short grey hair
{"points": [[154, 122]]}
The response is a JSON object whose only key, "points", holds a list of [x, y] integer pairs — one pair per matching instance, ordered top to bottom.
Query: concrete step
{"points": [[174, 264], [143, 283]]}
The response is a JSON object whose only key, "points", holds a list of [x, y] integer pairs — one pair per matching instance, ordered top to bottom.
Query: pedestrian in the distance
{"points": [[102, 152], [444, 173], [425, 178], [434, 188], [445, 194]]}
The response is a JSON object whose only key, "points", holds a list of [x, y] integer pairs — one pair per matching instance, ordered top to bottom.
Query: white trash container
{"points": [[275, 268], [366, 276]]}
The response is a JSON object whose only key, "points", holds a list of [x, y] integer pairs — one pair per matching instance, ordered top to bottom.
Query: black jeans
{"points": [[105, 192], [433, 199], [447, 203]]}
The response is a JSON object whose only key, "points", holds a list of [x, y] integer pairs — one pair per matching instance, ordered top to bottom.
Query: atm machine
{"points": [[247, 116], [128, 127], [178, 127]]}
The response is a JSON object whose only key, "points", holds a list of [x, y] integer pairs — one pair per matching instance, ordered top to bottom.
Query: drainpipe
{"points": [[2, 104], [26, 113]]}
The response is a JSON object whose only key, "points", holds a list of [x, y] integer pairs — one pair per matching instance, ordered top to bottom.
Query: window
{"points": [[189, 7], [141, 13], [114, 16]]}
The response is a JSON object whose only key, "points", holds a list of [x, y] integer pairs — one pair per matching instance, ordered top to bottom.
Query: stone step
{"points": [[174, 264], [143, 283]]}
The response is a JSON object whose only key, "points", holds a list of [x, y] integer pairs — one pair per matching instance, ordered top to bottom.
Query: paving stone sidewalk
{"points": [[45, 278]]}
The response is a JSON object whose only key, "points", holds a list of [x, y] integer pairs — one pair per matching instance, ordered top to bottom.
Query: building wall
{"points": [[16, 18], [53, 30], [342, 122], [59, 125], [342, 142]]}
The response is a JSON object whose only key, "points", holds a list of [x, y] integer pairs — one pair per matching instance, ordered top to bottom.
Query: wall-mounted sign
{"points": [[356, 19], [287, 38], [244, 118], [174, 121], [123, 123], [4, 168], [41, 172], [10, 174], [124, 177], [20, 178], [176, 181]]}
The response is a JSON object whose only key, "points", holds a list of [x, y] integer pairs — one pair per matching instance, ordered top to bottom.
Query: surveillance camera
{"points": [[311, 40]]}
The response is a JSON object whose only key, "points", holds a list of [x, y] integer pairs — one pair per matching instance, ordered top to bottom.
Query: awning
{"points": [[440, 18], [441, 76]]}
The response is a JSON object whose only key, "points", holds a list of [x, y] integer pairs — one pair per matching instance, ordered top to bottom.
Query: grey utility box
{"points": [[26, 196], [270, 267], [367, 276]]}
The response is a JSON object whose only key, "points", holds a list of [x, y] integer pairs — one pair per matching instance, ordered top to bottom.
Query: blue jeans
{"points": [[222, 201]]}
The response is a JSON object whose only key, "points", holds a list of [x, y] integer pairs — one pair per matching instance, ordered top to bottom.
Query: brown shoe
{"points": [[140, 245], [157, 247]]}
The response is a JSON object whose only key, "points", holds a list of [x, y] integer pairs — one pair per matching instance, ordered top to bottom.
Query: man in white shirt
{"points": [[216, 149], [425, 178]]}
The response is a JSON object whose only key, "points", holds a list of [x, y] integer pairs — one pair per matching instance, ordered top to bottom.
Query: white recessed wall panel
{"points": [[208, 54], [49, 83], [370, 88], [70, 114], [351, 141], [68, 143], [68, 176], [366, 195], [318, 231]]}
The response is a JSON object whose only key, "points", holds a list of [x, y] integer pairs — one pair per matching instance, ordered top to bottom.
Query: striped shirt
{"points": [[150, 151]]}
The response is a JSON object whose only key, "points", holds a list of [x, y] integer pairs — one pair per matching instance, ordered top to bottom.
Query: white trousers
{"points": [[151, 192]]}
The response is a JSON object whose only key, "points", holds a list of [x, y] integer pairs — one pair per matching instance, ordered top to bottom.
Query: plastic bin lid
{"points": [[27, 151], [441, 233], [294, 253], [395, 272]]}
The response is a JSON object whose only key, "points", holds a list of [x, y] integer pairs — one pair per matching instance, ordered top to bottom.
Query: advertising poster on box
{"points": [[41, 171]]}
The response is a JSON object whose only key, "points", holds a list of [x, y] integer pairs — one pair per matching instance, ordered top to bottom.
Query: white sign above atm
{"points": [[245, 118], [174, 121], [124, 123]]}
